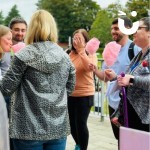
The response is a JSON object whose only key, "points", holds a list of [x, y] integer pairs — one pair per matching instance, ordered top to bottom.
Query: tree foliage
{"points": [[140, 6], [113, 9], [13, 13], [70, 14], [74, 14], [1, 18], [102, 24], [101, 27]]}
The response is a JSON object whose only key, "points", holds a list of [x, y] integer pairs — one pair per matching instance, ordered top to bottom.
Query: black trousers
{"points": [[79, 109], [134, 120], [114, 127], [11, 144]]}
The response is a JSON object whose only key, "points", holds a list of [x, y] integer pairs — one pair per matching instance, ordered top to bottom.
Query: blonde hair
{"points": [[42, 27], [3, 31]]}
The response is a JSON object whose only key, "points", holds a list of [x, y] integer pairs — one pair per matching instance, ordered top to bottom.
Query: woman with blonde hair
{"points": [[5, 40], [5, 46], [39, 80]]}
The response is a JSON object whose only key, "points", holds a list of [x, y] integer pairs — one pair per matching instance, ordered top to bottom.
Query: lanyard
{"points": [[136, 63], [134, 66]]}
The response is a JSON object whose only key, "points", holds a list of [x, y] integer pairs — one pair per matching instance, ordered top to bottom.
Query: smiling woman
{"points": [[5, 40], [5, 45]]}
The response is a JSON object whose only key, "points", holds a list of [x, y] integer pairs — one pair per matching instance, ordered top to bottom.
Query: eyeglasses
{"points": [[139, 28]]}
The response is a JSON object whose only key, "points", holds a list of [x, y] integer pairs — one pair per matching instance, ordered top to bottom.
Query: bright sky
{"points": [[105, 3], [27, 7]]}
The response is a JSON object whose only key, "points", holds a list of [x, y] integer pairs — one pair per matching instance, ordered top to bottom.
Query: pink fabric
{"points": [[92, 46], [17, 47], [110, 53], [131, 139]]}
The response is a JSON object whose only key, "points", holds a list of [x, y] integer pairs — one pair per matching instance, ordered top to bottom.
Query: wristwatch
{"points": [[115, 78], [131, 81]]}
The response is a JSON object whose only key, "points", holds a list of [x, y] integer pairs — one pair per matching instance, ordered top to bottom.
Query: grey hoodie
{"points": [[39, 79]]}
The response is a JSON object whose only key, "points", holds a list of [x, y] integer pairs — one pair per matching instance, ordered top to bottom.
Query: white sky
{"points": [[105, 3], [27, 7]]}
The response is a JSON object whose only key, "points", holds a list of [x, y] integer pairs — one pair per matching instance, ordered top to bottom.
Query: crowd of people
{"points": [[49, 93]]}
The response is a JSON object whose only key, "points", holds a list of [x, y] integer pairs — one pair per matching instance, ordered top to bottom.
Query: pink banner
{"points": [[131, 139]]}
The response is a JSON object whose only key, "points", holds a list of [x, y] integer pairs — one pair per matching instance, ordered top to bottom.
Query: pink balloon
{"points": [[92, 46], [17, 47], [111, 52]]}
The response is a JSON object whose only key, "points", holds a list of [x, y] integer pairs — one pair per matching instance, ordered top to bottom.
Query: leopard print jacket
{"points": [[39, 80], [138, 94]]}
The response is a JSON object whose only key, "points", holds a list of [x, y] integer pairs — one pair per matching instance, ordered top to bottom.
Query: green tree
{"points": [[140, 6], [113, 9], [13, 13], [70, 14], [1, 18], [102, 24], [101, 27]]}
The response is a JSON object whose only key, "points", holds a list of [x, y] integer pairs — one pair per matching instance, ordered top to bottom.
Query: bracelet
{"points": [[113, 79]]}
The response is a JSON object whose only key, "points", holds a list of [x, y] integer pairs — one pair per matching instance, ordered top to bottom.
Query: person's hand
{"points": [[79, 43], [92, 67], [110, 74], [124, 81], [115, 121]]}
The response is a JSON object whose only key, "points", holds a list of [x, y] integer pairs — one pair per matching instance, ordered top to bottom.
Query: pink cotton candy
{"points": [[92, 46], [17, 47], [111, 52]]}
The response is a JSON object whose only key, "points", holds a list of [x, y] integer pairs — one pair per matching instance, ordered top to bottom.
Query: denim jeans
{"points": [[7, 100], [58, 144]]}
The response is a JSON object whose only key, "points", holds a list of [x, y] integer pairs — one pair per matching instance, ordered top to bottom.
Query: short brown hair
{"points": [[17, 20], [127, 21], [146, 21], [85, 35]]}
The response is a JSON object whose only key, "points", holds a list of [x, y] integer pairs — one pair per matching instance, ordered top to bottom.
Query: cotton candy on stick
{"points": [[92, 46], [17, 47], [111, 52]]}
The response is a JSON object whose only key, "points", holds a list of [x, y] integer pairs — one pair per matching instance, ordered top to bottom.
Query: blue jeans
{"points": [[7, 100], [58, 144]]}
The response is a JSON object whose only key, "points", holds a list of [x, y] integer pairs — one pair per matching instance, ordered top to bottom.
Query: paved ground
{"points": [[101, 136]]}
